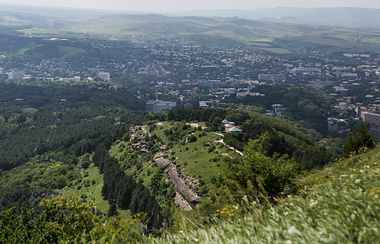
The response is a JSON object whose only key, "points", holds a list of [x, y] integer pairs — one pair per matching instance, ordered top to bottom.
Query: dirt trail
{"points": [[232, 148]]}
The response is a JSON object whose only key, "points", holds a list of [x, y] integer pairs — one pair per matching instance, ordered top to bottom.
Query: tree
{"points": [[359, 140], [258, 174], [112, 211], [66, 220]]}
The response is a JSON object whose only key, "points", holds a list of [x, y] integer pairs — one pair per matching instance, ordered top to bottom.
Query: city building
{"points": [[156, 70], [15, 74], [347, 75], [105, 76], [271, 77], [66, 79], [212, 103], [156, 105], [278, 109], [371, 118], [332, 125], [233, 130], [375, 132]]}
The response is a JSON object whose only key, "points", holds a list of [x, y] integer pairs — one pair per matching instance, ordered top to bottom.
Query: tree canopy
{"points": [[358, 140]]}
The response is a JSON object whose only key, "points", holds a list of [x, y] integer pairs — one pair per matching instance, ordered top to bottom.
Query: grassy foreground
{"points": [[339, 204]]}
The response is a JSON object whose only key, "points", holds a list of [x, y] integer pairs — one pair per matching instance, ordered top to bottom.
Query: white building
{"points": [[15, 74], [105, 76], [271, 77], [154, 106], [371, 118]]}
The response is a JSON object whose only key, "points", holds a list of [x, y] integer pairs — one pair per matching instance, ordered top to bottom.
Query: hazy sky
{"points": [[183, 5]]}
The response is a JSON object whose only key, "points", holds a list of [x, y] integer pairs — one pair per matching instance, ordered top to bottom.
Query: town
{"points": [[190, 76]]}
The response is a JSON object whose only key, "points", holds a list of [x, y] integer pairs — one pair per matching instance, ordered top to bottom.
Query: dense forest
{"points": [[38, 127]]}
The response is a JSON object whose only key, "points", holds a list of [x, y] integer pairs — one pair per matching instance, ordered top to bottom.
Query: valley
{"points": [[121, 127]]}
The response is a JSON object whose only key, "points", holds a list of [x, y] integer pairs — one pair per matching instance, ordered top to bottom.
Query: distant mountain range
{"points": [[339, 16], [347, 17], [277, 30]]}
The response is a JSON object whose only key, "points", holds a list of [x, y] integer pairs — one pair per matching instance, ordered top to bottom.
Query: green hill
{"points": [[257, 195], [338, 204]]}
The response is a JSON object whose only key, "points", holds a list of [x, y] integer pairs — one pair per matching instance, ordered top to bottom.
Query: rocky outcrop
{"points": [[134, 131], [137, 134], [161, 160], [180, 185], [186, 198], [180, 201]]}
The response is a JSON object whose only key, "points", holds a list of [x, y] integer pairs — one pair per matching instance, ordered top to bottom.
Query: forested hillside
{"points": [[256, 135], [42, 136], [157, 170], [259, 196], [336, 204]]}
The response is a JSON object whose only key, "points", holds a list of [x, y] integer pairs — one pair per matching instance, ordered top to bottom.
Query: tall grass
{"points": [[342, 206]]}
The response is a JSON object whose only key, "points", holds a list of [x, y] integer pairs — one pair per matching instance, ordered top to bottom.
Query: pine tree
{"points": [[358, 140], [112, 211]]}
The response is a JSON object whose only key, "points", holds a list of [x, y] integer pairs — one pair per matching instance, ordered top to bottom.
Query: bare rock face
{"points": [[134, 132], [161, 160], [179, 183], [181, 186], [185, 198], [182, 203]]}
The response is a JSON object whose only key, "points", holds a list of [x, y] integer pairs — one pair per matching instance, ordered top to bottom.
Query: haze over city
{"points": [[178, 6]]}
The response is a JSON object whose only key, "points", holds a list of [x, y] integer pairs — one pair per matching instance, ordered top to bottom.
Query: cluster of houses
{"points": [[230, 127]]}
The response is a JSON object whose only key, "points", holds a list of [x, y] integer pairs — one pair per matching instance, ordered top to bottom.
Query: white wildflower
{"points": [[357, 181], [245, 199], [313, 203], [293, 231]]}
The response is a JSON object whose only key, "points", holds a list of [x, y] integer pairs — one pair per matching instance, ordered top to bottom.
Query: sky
{"points": [[185, 5]]}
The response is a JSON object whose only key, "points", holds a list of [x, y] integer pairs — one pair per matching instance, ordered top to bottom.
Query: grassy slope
{"points": [[194, 159], [144, 174], [86, 183], [90, 188], [339, 204]]}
